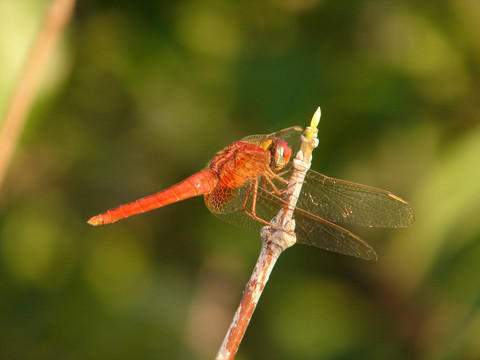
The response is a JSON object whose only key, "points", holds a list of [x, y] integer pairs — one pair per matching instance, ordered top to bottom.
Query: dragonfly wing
{"points": [[348, 202], [231, 210], [310, 230], [315, 231], [329, 236]]}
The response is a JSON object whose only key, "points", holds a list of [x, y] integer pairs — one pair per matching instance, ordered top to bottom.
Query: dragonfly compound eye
{"points": [[280, 152]]}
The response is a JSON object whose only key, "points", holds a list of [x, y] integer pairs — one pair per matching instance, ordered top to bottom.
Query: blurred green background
{"points": [[141, 94]]}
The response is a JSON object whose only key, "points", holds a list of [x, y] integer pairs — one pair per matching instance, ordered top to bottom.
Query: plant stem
{"points": [[56, 18], [275, 239]]}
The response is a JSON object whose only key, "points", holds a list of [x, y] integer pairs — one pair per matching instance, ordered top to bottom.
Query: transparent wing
{"points": [[348, 202], [232, 211], [310, 229], [313, 230]]}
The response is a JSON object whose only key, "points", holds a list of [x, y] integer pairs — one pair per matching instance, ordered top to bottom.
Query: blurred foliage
{"points": [[141, 95]]}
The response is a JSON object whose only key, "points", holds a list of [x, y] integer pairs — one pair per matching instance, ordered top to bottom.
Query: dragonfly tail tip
{"points": [[96, 220]]}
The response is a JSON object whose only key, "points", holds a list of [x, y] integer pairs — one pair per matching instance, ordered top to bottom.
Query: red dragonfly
{"points": [[243, 185]]}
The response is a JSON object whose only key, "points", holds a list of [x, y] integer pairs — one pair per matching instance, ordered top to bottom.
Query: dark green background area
{"points": [[141, 94]]}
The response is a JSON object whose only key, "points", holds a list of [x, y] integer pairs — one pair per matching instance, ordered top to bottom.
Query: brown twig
{"points": [[55, 20], [275, 239]]}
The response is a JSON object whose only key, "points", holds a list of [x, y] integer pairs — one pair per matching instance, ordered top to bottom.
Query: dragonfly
{"points": [[243, 185]]}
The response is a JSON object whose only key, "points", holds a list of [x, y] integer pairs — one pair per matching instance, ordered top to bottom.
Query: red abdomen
{"points": [[197, 184]]}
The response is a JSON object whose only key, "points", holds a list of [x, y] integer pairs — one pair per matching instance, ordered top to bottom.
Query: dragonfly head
{"points": [[280, 152]]}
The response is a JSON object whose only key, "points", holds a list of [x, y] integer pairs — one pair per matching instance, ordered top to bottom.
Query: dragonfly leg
{"points": [[278, 176], [267, 181], [286, 181], [265, 186], [252, 213]]}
